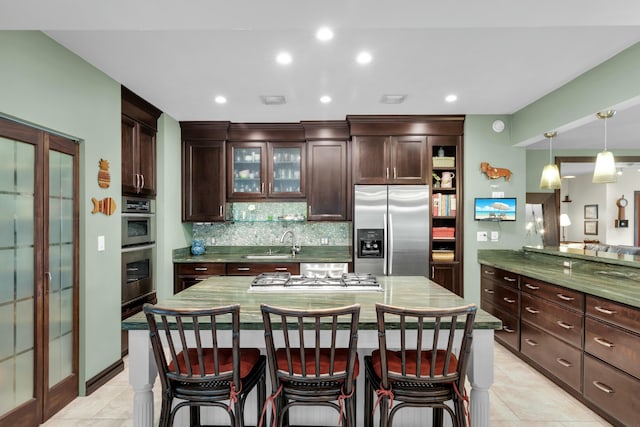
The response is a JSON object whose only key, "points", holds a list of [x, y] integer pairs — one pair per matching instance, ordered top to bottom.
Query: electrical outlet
{"points": [[482, 236], [495, 236]]}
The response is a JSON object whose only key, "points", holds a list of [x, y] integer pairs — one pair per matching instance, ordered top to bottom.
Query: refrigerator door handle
{"points": [[390, 244], [384, 248]]}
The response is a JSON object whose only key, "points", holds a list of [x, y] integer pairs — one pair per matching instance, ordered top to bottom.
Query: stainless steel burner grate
{"points": [[286, 280]]}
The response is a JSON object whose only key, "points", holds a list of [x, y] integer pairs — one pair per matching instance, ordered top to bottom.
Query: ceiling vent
{"points": [[273, 99], [393, 99]]}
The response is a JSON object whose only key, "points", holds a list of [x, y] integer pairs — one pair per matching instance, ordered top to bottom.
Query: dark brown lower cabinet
{"points": [[252, 269], [188, 274], [447, 276], [588, 345], [558, 358], [612, 390]]}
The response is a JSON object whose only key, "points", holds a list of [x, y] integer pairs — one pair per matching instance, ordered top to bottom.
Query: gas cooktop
{"points": [[343, 282]]}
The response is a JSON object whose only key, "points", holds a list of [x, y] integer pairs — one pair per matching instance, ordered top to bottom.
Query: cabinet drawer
{"points": [[200, 269], [252, 269], [500, 276], [558, 294], [504, 297], [618, 314], [553, 318], [509, 334], [618, 347], [557, 357], [611, 390]]}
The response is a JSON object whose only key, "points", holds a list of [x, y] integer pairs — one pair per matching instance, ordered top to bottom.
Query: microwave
{"points": [[138, 221]]}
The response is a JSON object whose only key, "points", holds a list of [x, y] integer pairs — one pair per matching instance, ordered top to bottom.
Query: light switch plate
{"points": [[497, 194], [482, 236], [495, 236], [100, 243]]}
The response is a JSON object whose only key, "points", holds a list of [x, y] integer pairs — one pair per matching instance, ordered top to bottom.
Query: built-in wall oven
{"points": [[138, 253]]}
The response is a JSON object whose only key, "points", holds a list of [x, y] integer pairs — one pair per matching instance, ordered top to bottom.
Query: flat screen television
{"points": [[494, 209]]}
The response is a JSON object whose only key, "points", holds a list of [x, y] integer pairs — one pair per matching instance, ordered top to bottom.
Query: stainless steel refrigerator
{"points": [[391, 230]]}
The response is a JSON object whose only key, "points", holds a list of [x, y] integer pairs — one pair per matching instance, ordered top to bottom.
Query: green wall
{"points": [[45, 84], [481, 144]]}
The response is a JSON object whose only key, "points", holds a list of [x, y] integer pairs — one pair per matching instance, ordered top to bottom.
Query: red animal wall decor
{"points": [[494, 173]]}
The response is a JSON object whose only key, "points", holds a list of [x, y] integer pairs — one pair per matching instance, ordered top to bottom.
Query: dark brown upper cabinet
{"points": [[139, 127], [390, 159], [266, 161], [328, 161], [203, 171]]}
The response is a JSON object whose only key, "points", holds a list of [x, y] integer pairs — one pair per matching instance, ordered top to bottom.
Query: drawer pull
{"points": [[243, 268], [201, 269], [281, 269], [489, 273], [509, 279], [532, 287], [489, 291], [564, 297], [509, 300], [532, 310], [604, 310], [564, 325], [508, 329], [603, 342], [532, 343], [563, 362], [603, 387]]}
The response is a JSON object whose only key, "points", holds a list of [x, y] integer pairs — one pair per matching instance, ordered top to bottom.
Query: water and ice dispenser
{"points": [[370, 242]]}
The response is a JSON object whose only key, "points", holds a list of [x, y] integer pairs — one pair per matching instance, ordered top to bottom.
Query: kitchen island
{"points": [[412, 292]]}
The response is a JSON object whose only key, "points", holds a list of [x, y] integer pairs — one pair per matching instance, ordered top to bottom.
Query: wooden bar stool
{"points": [[314, 361], [426, 369], [217, 373]]}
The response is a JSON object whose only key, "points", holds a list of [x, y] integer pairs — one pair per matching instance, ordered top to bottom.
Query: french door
{"points": [[38, 274]]}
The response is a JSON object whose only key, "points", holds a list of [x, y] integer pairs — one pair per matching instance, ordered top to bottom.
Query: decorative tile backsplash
{"points": [[263, 224]]}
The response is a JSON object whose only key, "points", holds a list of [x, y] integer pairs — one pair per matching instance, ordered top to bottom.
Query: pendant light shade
{"points": [[605, 170], [550, 179]]}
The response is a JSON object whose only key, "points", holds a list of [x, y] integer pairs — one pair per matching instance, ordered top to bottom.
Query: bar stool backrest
{"points": [[433, 344]]}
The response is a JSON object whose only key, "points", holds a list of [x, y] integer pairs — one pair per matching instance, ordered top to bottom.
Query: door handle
{"points": [[142, 181], [390, 244], [385, 246], [509, 279], [532, 287], [532, 310], [604, 310], [564, 325], [603, 342]]}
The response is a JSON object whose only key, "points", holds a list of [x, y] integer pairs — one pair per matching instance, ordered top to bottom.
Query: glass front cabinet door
{"points": [[248, 170], [266, 170], [287, 170]]}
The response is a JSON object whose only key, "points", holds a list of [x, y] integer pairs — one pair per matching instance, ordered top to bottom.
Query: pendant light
{"points": [[605, 170], [550, 179]]}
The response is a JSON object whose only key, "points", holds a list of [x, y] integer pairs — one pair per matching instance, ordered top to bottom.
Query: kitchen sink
{"points": [[269, 256]]}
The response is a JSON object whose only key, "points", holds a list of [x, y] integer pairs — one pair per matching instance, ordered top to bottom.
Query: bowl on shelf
{"points": [[244, 173]]}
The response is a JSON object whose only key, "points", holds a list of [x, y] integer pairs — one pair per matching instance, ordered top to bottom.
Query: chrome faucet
{"points": [[294, 248]]}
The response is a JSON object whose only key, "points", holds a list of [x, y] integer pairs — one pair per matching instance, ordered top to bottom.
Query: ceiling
{"points": [[497, 56]]}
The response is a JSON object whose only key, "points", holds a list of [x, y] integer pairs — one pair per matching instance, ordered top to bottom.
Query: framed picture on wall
{"points": [[590, 211], [591, 227]]}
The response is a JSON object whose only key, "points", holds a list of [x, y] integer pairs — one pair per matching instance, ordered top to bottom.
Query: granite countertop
{"points": [[238, 254], [614, 282], [403, 291]]}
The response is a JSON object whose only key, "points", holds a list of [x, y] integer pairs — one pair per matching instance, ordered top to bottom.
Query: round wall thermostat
{"points": [[497, 126]]}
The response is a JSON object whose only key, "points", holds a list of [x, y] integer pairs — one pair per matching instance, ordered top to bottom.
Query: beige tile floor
{"points": [[520, 396]]}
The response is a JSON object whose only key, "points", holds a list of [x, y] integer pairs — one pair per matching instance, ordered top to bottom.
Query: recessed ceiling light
{"points": [[324, 34], [284, 58], [364, 58], [451, 98], [220, 99], [273, 99], [325, 99], [393, 99]]}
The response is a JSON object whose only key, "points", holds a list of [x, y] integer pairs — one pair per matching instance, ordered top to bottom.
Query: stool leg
{"points": [[438, 417]]}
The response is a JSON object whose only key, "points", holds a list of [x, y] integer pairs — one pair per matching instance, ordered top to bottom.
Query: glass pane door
{"points": [[286, 169], [247, 170], [60, 266], [17, 302]]}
